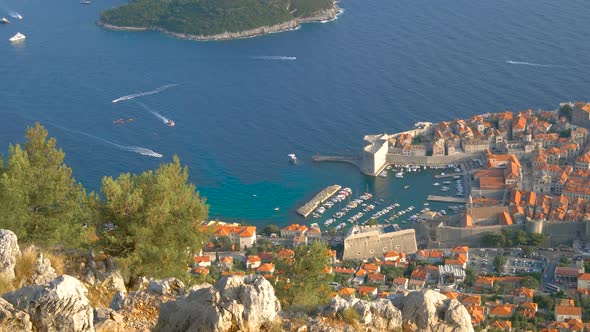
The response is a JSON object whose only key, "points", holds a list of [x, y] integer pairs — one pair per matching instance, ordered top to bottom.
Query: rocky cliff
{"points": [[234, 303]]}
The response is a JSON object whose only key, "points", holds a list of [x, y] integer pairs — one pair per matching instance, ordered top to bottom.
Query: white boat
{"points": [[4, 20], [19, 36], [292, 158], [383, 174], [399, 175], [436, 184], [406, 187]]}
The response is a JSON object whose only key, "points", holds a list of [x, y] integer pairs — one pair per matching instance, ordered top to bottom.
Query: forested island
{"points": [[217, 19]]}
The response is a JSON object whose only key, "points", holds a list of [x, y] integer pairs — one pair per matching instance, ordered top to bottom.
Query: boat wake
{"points": [[14, 14], [273, 57], [529, 64], [146, 93], [164, 119], [136, 149]]}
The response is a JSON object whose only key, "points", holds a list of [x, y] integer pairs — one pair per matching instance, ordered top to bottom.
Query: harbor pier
{"points": [[318, 199], [446, 199]]}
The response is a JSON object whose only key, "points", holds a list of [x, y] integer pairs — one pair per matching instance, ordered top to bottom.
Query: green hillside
{"points": [[209, 17]]}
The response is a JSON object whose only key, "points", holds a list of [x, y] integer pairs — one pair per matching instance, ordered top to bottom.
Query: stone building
{"points": [[581, 115], [374, 153], [373, 241]]}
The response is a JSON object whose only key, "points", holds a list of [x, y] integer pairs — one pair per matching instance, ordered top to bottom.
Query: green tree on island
{"points": [[41, 201], [156, 219]]}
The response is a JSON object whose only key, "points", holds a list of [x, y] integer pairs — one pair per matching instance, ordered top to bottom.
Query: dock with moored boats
{"points": [[317, 200]]}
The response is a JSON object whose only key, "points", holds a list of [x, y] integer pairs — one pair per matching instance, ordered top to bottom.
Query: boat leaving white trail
{"points": [[14, 14], [274, 57], [529, 64], [146, 93], [164, 119], [136, 149]]}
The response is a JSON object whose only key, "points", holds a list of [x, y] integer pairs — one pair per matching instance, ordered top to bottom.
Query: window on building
{"points": [[372, 251]]}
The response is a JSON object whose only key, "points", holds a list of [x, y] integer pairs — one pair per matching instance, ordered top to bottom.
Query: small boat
{"points": [[85, 2], [19, 16], [4, 20], [18, 37], [170, 123], [292, 158], [383, 174], [399, 175], [436, 184], [406, 187], [276, 209]]}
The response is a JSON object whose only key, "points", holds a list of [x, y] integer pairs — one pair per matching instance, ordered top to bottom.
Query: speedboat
{"points": [[85, 2], [19, 16], [4, 20], [19, 36], [170, 123], [292, 158]]}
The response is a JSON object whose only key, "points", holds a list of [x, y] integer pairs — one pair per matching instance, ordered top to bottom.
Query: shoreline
{"points": [[322, 16]]}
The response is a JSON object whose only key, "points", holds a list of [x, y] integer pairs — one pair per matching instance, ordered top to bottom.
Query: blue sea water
{"points": [[382, 66]]}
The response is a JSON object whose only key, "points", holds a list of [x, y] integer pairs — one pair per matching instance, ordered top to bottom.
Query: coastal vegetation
{"points": [[211, 17], [149, 222]]}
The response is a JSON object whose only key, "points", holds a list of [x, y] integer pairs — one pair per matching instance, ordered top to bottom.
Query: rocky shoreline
{"points": [[320, 16]]}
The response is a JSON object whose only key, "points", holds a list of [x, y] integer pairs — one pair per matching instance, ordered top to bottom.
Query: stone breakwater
{"points": [[320, 16], [318, 199]]}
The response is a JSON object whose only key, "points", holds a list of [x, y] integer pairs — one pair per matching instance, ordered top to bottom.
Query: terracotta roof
{"points": [[505, 218], [390, 254], [202, 259], [253, 259], [266, 267], [567, 271], [584, 276], [376, 277], [400, 281], [365, 290], [346, 291], [471, 299], [502, 310], [568, 310]]}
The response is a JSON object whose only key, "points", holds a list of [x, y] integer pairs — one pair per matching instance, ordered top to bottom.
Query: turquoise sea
{"points": [[241, 106]]}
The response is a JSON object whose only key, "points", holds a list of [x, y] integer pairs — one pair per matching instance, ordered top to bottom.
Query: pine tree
{"points": [[40, 200], [156, 219]]}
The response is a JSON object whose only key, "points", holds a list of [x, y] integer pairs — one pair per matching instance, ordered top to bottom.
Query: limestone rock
{"points": [[9, 252], [43, 272], [104, 275], [170, 286], [243, 303], [61, 305], [430, 311], [378, 315], [12, 319]]}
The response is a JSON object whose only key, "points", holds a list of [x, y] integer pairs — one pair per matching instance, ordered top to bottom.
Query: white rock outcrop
{"points": [[9, 253], [43, 272], [243, 303], [61, 305], [430, 311], [378, 315], [12, 319]]}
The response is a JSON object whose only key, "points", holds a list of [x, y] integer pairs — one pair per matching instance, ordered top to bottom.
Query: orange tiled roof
{"points": [[266, 267], [365, 290], [346, 291], [502, 310], [568, 310]]}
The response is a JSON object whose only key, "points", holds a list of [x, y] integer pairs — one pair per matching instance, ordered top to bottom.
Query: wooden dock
{"points": [[318, 199], [446, 199]]}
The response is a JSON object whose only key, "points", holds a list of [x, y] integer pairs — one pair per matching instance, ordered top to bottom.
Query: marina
{"points": [[318, 199]]}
